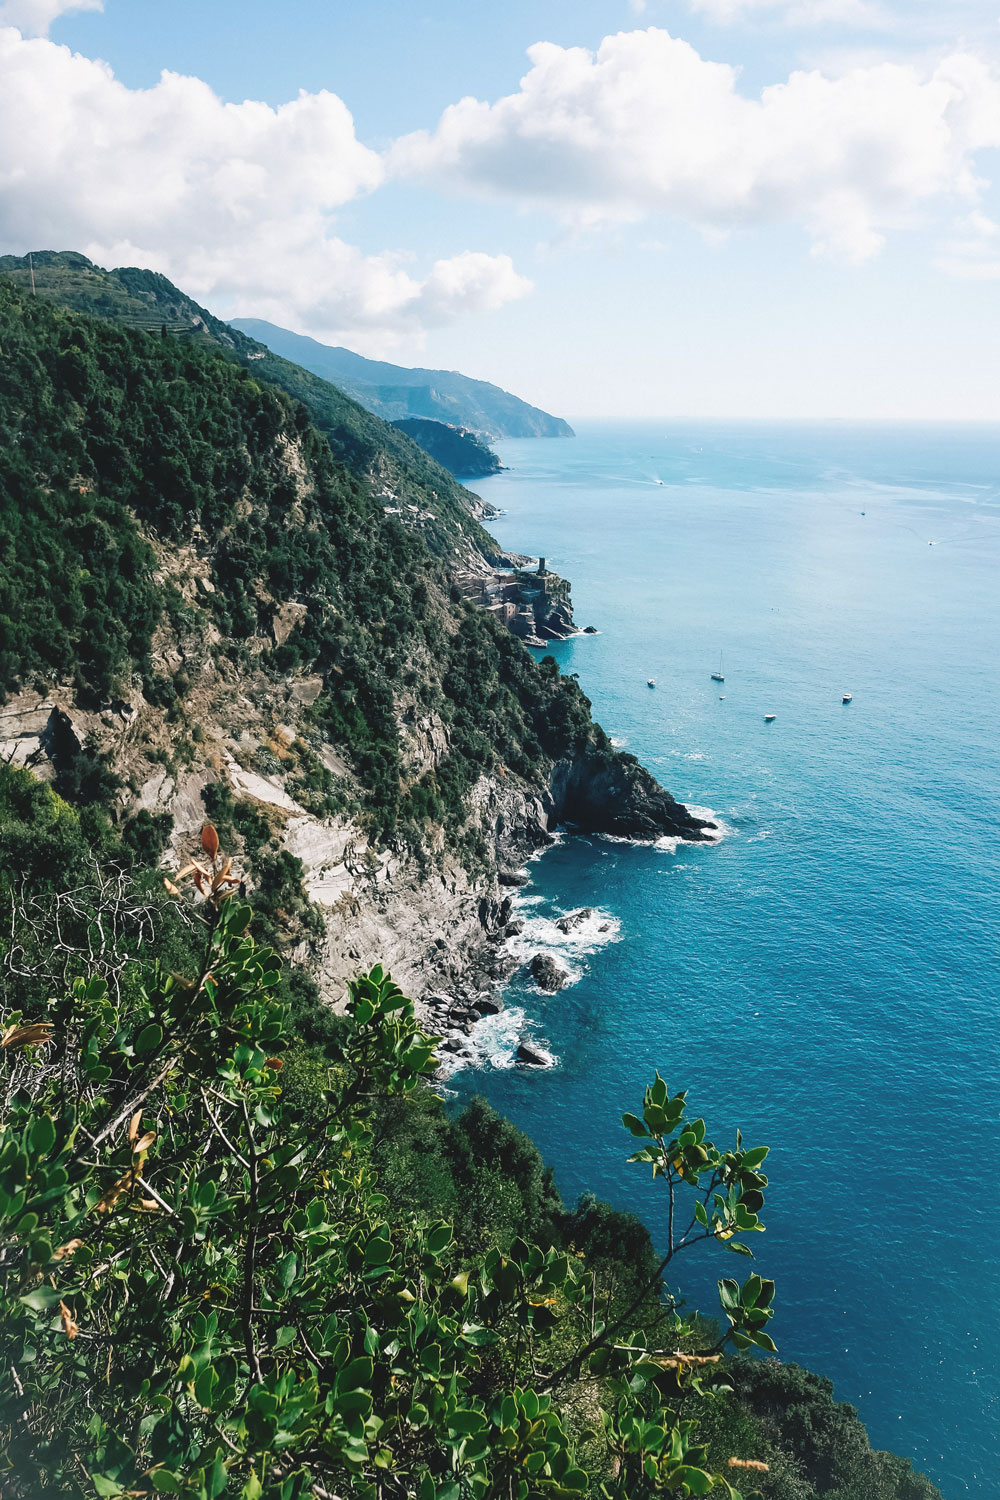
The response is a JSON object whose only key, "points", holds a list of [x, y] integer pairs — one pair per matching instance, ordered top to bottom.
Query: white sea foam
{"points": [[670, 842], [569, 949], [493, 1043]]}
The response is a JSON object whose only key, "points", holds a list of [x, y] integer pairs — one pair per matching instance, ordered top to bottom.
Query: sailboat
{"points": [[718, 676]]}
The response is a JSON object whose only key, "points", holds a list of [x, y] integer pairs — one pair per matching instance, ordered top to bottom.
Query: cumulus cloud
{"points": [[34, 17], [646, 126], [235, 202]]}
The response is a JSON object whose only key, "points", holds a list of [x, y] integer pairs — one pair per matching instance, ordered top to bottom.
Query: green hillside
{"points": [[115, 444], [457, 449], [395, 467]]}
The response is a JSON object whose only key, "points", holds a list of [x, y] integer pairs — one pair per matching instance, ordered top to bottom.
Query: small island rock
{"points": [[574, 919], [547, 973], [535, 1057]]}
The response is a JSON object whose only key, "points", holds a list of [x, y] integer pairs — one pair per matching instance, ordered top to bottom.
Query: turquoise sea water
{"points": [[827, 977]]}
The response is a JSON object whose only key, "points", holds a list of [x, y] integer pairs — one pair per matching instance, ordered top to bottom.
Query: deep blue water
{"points": [[827, 977]]}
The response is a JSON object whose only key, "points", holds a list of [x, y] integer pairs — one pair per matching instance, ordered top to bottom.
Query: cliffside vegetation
{"points": [[118, 448], [457, 449], [235, 1264]]}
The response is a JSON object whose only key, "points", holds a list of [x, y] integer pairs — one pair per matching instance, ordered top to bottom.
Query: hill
{"points": [[394, 391], [455, 448], [388, 461], [207, 602]]}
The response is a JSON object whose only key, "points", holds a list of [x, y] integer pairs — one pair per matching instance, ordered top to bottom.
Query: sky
{"points": [[614, 208]]}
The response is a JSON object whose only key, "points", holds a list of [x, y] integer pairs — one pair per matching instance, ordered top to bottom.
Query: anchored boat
{"points": [[718, 676]]}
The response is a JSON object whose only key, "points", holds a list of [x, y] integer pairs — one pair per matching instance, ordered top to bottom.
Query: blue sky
{"points": [[757, 208]]}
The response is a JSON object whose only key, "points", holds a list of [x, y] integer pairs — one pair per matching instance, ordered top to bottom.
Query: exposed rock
{"points": [[285, 619], [307, 690], [606, 792], [513, 877], [574, 919], [513, 929], [548, 974], [488, 1005], [533, 1055]]}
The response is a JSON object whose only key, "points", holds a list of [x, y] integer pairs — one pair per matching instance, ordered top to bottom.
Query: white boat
{"points": [[719, 676], [650, 681], [848, 697], [770, 718]]}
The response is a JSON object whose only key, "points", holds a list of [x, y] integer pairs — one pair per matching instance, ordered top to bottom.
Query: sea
{"points": [[826, 976]]}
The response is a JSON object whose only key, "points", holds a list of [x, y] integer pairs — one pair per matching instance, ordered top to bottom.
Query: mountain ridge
{"points": [[398, 391]]}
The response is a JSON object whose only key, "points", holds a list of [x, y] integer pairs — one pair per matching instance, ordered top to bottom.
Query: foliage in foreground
{"points": [[203, 1293]]}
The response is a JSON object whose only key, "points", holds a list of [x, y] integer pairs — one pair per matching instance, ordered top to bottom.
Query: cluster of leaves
{"points": [[201, 1290]]}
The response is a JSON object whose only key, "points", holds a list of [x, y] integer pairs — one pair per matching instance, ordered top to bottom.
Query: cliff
{"points": [[210, 610]]}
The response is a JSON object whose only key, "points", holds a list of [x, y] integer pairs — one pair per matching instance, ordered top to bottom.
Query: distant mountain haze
{"points": [[395, 392]]}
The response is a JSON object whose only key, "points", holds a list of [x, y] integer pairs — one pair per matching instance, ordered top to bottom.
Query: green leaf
{"points": [[149, 1039], [635, 1125], [42, 1136], [754, 1158], [700, 1214], [438, 1238], [356, 1374], [697, 1481], [166, 1482], [104, 1485]]}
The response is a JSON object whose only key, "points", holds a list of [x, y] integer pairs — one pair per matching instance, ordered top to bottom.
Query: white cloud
{"points": [[34, 17], [646, 126], [235, 202]]}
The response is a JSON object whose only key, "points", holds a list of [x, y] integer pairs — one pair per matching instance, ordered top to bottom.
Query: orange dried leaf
{"points": [[210, 841], [199, 881], [170, 888], [28, 1035], [275, 1063], [133, 1125], [144, 1142], [113, 1194], [148, 1206], [65, 1251], [70, 1328], [749, 1463]]}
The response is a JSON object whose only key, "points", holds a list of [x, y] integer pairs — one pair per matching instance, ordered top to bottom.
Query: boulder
{"points": [[512, 877], [574, 919], [513, 929], [547, 973], [488, 1005], [533, 1055]]}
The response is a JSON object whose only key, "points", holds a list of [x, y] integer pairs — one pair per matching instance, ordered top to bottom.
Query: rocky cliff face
{"points": [[248, 618], [601, 792], [438, 925]]}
